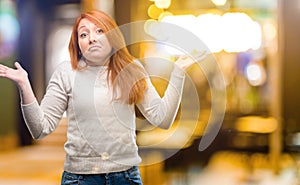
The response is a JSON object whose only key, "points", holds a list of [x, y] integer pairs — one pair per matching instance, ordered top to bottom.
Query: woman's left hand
{"points": [[185, 61]]}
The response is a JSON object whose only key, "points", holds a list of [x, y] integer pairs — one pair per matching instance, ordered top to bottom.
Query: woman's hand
{"points": [[185, 61], [18, 75]]}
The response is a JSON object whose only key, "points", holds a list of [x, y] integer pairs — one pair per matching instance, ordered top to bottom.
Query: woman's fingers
{"points": [[185, 61], [18, 66], [3, 67], [3, 70], [13, 74]]}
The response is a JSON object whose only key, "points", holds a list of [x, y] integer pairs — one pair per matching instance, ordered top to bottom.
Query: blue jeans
{"points": [[129, 177]]}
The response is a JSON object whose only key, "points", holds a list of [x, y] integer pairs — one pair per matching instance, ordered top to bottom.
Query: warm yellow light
{"points": [[219, 2], [163, 4], [154, 11], [164, 14], [182, 21], [186, 21], [149, 26], [153, 28], [208, 29], [269, 30], [231, 32], [240, 33], [256, 124]]}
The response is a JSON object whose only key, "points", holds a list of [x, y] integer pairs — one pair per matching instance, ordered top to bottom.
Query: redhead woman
{"points": [[98, 89]]}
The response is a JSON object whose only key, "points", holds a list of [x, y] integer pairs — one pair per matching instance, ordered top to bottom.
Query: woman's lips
{"points": [[94, 47]]}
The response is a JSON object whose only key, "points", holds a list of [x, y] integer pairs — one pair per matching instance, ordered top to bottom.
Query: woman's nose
{"points": [[93, 38]]}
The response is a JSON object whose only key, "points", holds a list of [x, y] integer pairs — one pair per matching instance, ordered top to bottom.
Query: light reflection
{"points": [[219, 2], [164, 4], [154, 11], [164, 14], [187, 21], [9, 28], [208, 29], [269, 31], [231, 32], [240, 33], [253, 72], [256, 74], [256, 124]]}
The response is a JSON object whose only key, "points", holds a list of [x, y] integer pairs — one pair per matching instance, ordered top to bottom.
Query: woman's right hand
{"points": [[185, 61], [18, 75]]}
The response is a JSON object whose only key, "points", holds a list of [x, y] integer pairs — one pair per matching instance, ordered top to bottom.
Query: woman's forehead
{"points": [[89, 21], [84, 22]]}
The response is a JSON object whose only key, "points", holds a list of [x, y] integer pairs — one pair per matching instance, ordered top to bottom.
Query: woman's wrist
{"points": [[23, 84], [26, 92]]}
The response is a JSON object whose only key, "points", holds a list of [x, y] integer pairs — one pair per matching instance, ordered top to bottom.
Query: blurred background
{"points": [[255, 45]]}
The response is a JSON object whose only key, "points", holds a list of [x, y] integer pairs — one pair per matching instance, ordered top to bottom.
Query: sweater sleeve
{"points": [[161, 111], [42, 119]]}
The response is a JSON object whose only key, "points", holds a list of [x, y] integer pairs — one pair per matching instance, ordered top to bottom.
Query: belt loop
{"points": [[107, 179]]}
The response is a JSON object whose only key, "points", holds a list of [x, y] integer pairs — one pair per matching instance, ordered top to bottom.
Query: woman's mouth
{"points": [[94, 47]]}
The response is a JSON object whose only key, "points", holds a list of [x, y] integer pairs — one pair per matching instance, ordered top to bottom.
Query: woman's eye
{"points": [[99, 30], [82, 35]]}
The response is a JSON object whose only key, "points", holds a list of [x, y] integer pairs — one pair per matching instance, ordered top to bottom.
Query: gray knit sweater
{"points": [[101, 130]]}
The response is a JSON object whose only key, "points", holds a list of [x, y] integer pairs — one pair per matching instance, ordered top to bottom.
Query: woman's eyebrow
{"points": [[81, 27]]}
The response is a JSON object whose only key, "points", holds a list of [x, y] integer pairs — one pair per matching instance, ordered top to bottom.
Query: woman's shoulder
{"points": [[64, 66], [63, 70], [63, 75]]}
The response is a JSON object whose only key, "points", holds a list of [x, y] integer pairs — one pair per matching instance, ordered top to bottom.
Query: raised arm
{"points": [[20, 77], [159, 111], [41, 119]]}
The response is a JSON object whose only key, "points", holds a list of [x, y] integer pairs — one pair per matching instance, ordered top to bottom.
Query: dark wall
{"points": [[35, 18], [290, 44]]}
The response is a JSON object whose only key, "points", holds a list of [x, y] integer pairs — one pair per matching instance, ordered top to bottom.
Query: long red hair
{"points": [[127, 77]]}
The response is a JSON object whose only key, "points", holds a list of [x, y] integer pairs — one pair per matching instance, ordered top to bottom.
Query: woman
{"points": [[99, 89]]}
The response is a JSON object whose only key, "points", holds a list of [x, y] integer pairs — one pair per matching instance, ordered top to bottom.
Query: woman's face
{"points": [[93, 43]]}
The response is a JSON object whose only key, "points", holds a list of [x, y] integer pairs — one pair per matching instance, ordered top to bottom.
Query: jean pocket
{"points": [[134, 176], [70, 179]]}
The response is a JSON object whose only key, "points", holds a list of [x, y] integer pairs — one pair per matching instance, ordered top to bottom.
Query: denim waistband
{"points": [[127, 177]]}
